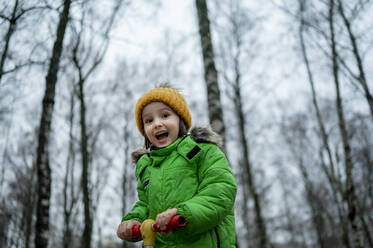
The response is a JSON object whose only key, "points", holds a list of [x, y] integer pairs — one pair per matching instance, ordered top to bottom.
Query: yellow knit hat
{"points": [[167, 95]]}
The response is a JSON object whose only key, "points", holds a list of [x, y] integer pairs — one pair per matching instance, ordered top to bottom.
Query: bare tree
{"points": [[13, 20], [335, 31], [239, 51], [356, 52], [80, 57], [210, 72], [314, 96], [297, 140], [362, 150], [127, 159], [42, 160], [126, 163], [246, 163], [247, 167], [336, 185], [21, 196], [70, 196], [353, 215], [288, 220], [4, 223]]}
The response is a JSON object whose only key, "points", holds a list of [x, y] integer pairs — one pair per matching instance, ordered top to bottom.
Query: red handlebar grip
{"points": [[176, 221], [136, 234]]}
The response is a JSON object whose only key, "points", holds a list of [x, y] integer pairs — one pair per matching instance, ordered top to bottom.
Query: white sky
{"points": [[142, 28]]}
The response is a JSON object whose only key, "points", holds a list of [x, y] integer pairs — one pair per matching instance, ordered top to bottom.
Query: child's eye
{"points": [[165, 115], [148, 120]]}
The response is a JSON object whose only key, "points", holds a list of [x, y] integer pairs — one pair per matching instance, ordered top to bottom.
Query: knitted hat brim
{"points": [[169, 96]]}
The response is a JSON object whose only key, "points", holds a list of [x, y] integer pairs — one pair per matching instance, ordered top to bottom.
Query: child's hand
{"points": [[163, 218], [125, 229]]}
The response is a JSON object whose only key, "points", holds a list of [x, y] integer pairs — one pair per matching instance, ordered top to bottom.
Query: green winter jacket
{"points": [[193, 175]]}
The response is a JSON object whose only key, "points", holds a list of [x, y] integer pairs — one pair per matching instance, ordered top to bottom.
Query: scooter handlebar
{"points": [[176, 222]]}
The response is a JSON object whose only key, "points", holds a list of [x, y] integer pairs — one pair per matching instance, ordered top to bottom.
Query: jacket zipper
{"points": [[217, 237]]}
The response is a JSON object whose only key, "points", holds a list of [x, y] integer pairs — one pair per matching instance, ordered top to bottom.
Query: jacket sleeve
{"points": [[216, 193], [140, 210]]}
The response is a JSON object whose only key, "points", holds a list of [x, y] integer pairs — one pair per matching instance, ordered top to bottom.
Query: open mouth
{"points": [[161, 135]]}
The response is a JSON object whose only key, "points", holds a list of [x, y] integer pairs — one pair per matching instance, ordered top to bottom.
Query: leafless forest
{"points": [[287, 83]]}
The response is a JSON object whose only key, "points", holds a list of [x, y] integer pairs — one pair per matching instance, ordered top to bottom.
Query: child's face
{"points": [[161, 124]]}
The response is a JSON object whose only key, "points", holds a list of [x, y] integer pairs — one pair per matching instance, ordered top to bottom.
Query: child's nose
{"points": [[157, 122]]}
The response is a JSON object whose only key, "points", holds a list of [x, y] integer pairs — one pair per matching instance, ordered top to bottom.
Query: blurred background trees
{"points": [[292, 78]]}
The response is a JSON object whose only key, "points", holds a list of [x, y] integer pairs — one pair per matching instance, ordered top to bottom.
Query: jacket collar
{"points": [[199, 134]]}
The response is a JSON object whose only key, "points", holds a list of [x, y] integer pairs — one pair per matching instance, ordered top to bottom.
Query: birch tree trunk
{"points": [[210, 72], [361, 78], [42, 161], [30, 208], [87, 232], [357, 235]]}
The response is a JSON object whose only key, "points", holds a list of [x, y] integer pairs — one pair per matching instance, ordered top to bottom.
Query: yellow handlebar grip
{"points": [[147, 232]]}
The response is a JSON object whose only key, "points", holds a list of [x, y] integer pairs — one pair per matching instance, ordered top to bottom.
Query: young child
{"points": [[180, 172]]}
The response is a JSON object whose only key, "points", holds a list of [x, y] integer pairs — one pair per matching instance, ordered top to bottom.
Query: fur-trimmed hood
{"points": [[200, 134]]}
